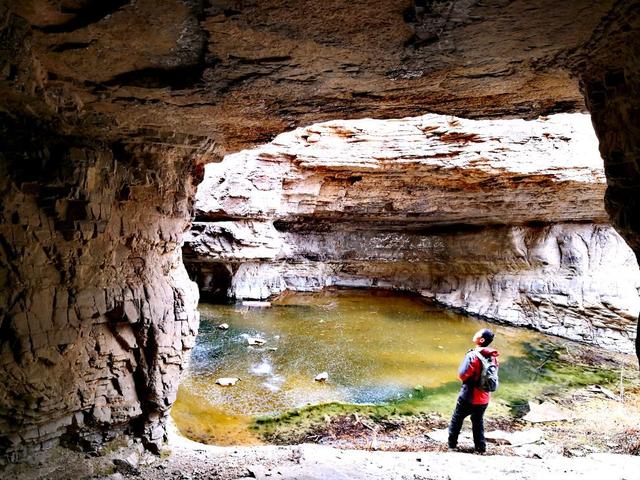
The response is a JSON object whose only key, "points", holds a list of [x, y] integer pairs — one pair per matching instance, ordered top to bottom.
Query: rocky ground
{"points": [[589, 403], [599, 425], [599, 438], [188, 460]]}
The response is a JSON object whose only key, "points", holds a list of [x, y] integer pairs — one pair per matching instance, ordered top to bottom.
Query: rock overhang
{"points": [[241, 75], [159, 89]]}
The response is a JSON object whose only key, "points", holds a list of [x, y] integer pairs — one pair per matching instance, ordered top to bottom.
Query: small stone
{"points": [[256, 304], [223, 326], [256, 341], [322, 377], [227, 381], [604, 391], [546, 412], [532, 451], [126, 466]]}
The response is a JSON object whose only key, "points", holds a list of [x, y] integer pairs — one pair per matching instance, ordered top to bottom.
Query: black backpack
{"points": [[489, 375]]}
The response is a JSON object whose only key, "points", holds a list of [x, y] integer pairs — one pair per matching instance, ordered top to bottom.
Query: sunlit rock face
{"points": [[503, 219]]}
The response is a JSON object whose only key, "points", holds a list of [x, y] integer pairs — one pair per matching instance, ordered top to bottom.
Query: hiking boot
{"points": [[452, 446]]}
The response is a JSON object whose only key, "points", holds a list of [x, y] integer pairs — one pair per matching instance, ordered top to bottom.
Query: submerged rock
{"points": [[250, 303], [223, 326], [256, 341], [322, 377], [227, 381]]}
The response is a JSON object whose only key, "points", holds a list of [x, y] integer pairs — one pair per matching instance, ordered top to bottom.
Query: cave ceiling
{"points": [[231, 74]]}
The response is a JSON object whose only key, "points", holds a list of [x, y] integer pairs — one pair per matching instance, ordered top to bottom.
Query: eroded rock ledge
{"points": [[503, 219]]}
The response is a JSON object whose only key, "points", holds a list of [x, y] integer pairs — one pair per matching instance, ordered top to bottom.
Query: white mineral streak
{"points": [[500, 218]]}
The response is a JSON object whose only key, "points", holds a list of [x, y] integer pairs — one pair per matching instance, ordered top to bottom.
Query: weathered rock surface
{"points": [[609, 69], [241, 72], [159, 89], [428, 171], [503, 219], [98, 311], [546, 412]]}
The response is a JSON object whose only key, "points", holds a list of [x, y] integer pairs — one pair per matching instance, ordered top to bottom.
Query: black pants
{"points": [[462, 411]]}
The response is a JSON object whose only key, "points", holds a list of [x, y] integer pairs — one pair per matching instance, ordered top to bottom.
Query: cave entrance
{"points": [[499, 219], [213, 279]]}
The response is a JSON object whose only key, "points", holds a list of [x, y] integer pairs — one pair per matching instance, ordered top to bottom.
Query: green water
{"points": [[375, 346]]}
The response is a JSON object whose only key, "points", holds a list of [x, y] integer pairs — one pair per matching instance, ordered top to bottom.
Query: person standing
{"points": [[473, 400]]}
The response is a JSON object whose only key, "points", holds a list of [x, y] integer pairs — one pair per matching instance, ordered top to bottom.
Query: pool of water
{"points": [[375, 346]]}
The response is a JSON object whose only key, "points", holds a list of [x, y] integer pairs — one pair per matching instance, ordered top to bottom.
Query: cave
{"points": [[111, 110], [213, 279]]}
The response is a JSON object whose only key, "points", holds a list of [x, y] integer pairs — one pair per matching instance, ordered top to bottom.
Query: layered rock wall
{"points": [[608, 66], [105, 105], [503, 219], [97, 312]]}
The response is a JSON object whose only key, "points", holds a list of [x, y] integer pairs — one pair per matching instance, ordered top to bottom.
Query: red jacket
{"points": [[469, 373]]}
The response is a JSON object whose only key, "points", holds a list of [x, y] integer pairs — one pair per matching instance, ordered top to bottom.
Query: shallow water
{"points": [[375, 346]]}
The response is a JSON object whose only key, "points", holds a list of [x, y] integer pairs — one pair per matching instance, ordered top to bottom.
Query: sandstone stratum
{"points": [[109, 111]]}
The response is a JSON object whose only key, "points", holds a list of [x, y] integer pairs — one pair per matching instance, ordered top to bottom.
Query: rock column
{"points": [[609, 70], [97, 311]]}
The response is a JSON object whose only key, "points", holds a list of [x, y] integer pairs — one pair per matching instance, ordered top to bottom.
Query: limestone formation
{"points": [[108, 109], [503, 219], [96, 309]]}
